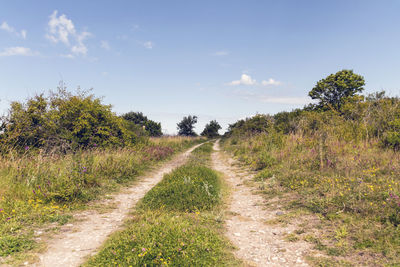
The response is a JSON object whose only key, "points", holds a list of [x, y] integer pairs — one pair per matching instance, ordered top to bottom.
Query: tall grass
{"points": [[352, 186], [37, 188]]}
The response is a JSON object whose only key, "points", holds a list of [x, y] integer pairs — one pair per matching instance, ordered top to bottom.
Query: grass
{"points": [[352, 187], [36, 189], [177, 223]]}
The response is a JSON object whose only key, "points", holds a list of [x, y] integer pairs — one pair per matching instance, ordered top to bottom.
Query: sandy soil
{"points": [[75, 242], [258, 244]]}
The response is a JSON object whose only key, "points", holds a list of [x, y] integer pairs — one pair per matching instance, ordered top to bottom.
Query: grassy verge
{"points": [[352, 188], [38, 189], [177, 223]]}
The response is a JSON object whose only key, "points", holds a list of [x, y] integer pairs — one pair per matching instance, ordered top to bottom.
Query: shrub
{"points": [[63, 121]]}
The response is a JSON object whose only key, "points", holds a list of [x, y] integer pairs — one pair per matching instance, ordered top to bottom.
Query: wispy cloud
{"points": [[5, 27], [135, 27], [61, 29], [105, 45], [148, 45], [18, 51], [221, 53], [246, 79], [271, 82], [262, 97], [285, 100]]}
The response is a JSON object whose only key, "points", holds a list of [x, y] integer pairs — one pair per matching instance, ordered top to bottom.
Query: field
{"points": [[39, 189], [353, 192]]}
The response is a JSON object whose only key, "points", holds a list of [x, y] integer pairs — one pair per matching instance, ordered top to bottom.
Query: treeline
{"points": [[340, 112], [62, 121]]}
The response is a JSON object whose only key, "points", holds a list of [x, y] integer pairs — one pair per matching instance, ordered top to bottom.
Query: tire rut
{"points": [[76, 242], [258, 244]]}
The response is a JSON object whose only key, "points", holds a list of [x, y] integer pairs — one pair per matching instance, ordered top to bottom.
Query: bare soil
{"points": [[75, 242], [258, 243]]}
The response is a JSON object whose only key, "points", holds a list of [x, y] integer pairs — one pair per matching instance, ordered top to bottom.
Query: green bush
{"points": [[63, 121], [392, 137]]}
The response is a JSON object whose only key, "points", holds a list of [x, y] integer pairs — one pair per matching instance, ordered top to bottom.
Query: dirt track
{"points": [[75, 242]]}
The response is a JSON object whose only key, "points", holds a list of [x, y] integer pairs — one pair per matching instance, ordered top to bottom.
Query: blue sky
{"points": [[220, 60]]}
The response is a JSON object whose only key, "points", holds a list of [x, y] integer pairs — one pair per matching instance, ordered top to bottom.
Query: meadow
{"points": [[329, 171], [37, 188], [177, 223]]}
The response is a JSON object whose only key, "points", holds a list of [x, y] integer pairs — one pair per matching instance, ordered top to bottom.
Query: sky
{"points": [[222, 60]]}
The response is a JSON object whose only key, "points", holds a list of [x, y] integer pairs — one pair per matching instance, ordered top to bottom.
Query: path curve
{"points": [[76, 242], [258, 244]]}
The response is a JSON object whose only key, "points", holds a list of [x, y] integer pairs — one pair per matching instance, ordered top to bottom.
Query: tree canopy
{"points": [[334, 89], [63, 121], [186, 126], [151, 127], [211, 129]]}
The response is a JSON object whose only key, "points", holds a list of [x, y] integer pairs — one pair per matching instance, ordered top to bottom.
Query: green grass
{"points": [[352, 187], [188, 188], [39, 189], [177, 223], [158, 238]]}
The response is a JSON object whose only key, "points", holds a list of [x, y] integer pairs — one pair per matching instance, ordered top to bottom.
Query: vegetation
{"points": [[334, 89], [64, 122], [186, 126], [152, 128], [211, 129], [62, 150], [342, 167], [37, 189], [165, 231]]}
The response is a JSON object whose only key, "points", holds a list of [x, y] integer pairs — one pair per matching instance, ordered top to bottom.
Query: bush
{"points": [[63, 121], [392, 138]]}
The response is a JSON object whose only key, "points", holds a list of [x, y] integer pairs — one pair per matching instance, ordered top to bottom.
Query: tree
{"points": [[334, 89], [185, 127], [152, 128], [211, 129]]}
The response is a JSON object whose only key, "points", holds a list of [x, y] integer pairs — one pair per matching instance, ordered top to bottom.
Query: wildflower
{"points": [[26, 148], [84, 169], [34, 192], [1, 210], [143, 249]]}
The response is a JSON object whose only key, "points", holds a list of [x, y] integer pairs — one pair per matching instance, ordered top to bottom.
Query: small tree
{"points": [[334, 89], [185, 127], [152, 128], [211, 129]]}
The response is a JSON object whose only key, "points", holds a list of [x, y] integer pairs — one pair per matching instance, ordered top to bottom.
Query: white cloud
{"points": [[5, 27], [61, 29], [23, 34], [105, 45], [148, 45], [17, 51], [221, 53], [67, 56], [244, 80], [271, 82], [285, 100]]}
